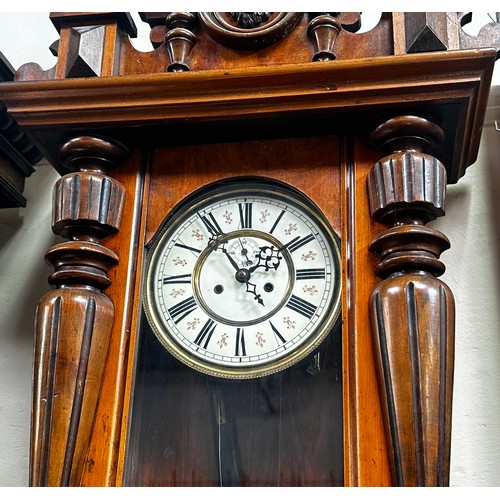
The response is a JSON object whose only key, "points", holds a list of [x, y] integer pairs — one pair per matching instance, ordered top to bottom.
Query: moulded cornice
{"points": [[336, 94]]}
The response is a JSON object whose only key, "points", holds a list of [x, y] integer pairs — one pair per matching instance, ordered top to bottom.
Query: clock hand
{"points": [[216, 241], [286, 245], [244, 252], [231, 260], [266, 261], [242, 276], [251, 289]]}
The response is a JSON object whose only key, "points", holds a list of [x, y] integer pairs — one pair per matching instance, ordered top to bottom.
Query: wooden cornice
{"points": [[451, 86]]}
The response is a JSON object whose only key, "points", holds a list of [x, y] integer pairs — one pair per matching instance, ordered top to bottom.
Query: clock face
{"points": [[244, 280]]}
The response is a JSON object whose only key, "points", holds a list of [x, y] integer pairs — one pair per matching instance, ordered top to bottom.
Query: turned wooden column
{"points": [[412, 311], [74, 320]]}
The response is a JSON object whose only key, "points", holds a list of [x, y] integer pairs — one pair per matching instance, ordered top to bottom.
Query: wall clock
{"points": [[244, 279]]}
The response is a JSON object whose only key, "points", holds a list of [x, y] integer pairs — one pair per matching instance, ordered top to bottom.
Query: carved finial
{"points": [[324, 29], [179, 39], [406, 189], [411, 310], [74, 320]]}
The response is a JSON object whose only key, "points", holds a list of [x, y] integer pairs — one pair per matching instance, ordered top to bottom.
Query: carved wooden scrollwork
{"points": [[249, 20], [488, 35], [412, 311], [74, 320]]}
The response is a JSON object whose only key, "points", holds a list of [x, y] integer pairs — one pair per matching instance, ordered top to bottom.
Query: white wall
{"points": [[472, 224]]}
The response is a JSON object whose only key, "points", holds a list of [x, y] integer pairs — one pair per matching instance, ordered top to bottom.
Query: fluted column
{"points": [[412, 311], [74, 320]]}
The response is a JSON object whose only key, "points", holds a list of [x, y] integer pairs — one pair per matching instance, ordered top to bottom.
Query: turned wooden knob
{"points": [[406, 133], [92, 153]]}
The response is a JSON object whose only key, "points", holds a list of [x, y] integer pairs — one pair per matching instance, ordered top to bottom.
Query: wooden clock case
{"points": [[371, 126]]}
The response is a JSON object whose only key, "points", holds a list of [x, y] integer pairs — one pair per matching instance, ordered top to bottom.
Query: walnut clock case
{"points": [[248, 292]]}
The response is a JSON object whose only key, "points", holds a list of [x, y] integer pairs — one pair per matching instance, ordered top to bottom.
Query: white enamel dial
{"points": [[244, 281]]}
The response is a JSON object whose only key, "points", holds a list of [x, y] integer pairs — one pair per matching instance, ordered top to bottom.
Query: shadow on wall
{"points": [[25, 236]]}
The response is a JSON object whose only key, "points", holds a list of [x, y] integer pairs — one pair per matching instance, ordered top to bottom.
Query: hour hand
{"points": [[215, 231], [251, 288]]}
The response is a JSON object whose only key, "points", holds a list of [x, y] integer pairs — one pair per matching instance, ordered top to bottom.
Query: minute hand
{"points": [[286, 245], [231, 260]]}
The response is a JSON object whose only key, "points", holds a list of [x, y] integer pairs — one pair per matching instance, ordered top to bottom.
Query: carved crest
{"points": [[249, 20], [249, 30]]}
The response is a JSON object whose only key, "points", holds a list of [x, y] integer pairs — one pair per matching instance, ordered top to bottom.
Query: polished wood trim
{"points": [[136, 257], [366, 447], [102, 466]]}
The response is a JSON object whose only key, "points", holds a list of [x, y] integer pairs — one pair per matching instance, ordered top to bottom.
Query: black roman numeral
{"points": [[245, 215], [277, 221], [212, 225], [300, 242], [311, 274], [177, 280], [301, 306], [182, 309], [205, 333], [277, 333], [240, 343]]}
